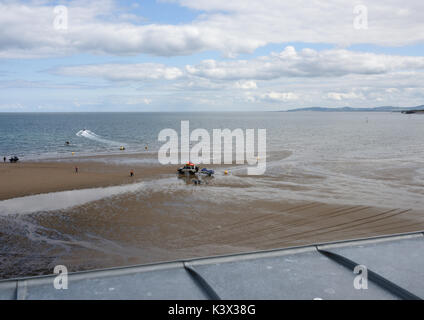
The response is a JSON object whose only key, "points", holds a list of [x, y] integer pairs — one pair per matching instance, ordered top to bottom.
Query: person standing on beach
{"points": [[4, 159], [76, 169], [131, 173]]}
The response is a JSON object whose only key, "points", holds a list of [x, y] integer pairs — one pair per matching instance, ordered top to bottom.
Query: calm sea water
{"points": [[307, 134]]}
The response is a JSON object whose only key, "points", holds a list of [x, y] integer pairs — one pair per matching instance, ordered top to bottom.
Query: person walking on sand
{"points": [[76, 169], [131, 173]]}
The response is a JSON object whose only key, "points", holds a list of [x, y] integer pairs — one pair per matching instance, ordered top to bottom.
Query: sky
{"points": [[209, 55]]}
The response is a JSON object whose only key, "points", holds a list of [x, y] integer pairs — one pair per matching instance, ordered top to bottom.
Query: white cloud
{"points": [[97, 27], [232, 27], [289, 63], [304, 63], [123, 72], [301, 78], [199, 84], [246, 85], [392, 90], [270, 96], [279, 96], [344, 96], [138, 100]]}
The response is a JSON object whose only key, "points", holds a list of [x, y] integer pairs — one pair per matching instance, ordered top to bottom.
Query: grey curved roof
{"points": [[395, 266]]}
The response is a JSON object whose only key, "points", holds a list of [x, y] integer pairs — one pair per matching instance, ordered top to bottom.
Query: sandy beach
{"points": [[28, 178], [169, 218]]}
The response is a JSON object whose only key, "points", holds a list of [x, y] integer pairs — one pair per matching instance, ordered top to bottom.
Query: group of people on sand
{"points": [[13, 159], [76, 168], [131, 171]]}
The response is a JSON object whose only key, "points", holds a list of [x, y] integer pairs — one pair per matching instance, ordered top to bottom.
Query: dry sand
{"points": [[22, 179]]}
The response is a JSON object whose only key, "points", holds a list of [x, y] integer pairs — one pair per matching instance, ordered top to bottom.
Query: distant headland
{"points": [[417, 109]]}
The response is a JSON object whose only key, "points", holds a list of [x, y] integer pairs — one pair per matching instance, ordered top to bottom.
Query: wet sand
{"points": [[167, 221], [99, 235]]}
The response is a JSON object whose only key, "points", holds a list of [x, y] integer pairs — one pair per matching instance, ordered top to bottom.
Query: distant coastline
{"points": [[417, 109]]}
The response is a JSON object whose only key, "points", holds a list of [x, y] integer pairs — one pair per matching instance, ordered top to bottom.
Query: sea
{"points": [[312, 135]]}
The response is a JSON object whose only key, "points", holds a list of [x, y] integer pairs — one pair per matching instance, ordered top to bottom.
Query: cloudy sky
{"points": [[210, 55]]}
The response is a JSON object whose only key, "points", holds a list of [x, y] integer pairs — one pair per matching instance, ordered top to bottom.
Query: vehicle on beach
{"points": [[14, 159], [189, 168], [192, 169], [208, 172]]}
